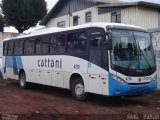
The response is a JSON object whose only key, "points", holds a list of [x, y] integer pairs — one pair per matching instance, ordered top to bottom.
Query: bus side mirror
{"points": [[109, 39]]}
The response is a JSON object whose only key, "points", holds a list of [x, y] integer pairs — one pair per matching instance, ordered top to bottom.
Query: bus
{"points": [[108, 59]]}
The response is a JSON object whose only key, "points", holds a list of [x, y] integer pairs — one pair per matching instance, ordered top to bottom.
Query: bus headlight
{"points": [[154, 78], [118, 79]]}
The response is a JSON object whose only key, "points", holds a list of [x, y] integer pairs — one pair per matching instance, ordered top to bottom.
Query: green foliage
{"points": [[23, 14], [1, 24], [158, 92]]}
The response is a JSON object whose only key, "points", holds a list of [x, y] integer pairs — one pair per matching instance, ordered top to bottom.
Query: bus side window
{"points": [[77, 42], [57, 44], [45, 45], [10, 47], [29, 47], [38, 47], [5, 48], [18, 49], [95, 49]]}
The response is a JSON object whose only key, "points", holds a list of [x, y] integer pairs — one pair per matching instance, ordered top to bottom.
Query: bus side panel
{"points": [[74, 65], [97, 79], [105, 82]]}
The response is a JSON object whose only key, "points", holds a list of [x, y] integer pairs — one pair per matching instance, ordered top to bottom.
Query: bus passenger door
{"points": [[94, 69]]}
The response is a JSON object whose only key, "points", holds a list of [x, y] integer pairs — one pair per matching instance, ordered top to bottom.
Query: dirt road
{"points": [[48, 103]]}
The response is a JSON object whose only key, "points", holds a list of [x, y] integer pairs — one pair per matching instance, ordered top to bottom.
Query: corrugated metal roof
{"points": [[105, 1], [128, 4]]}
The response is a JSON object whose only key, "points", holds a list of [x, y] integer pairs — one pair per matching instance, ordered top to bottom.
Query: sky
{"points": [[51, 3]]}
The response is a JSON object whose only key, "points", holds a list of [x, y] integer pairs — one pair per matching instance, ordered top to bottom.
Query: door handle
{"points": [[58, 73]]}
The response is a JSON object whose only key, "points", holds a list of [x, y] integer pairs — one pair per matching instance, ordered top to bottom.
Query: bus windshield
{"points": [[132, 50]]}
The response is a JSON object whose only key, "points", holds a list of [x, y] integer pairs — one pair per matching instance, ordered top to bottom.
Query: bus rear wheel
{"points": [[22, 80], [78, 89]]}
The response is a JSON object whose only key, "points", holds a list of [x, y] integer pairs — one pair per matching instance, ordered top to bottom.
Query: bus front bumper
{"points": [[125, 89]]}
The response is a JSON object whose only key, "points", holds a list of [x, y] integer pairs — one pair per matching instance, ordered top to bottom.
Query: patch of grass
{"points": [[158, 92]]}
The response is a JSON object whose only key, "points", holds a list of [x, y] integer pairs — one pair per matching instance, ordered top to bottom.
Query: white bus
{"points": [[102, 58]]}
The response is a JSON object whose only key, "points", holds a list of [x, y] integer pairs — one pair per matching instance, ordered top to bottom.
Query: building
{"points": [[74, 12], [155, 33]]}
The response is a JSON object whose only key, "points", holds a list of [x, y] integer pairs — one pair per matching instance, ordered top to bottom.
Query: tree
{"points": [[23, 14], [1, 24]]}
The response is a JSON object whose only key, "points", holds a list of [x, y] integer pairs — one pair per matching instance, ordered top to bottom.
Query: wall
{"points": [[139, 16], [69, 18], [147, 18], [156, 45]]}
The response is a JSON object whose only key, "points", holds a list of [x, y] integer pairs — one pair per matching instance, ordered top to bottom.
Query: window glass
{"points": [[88, 17], [116, 17], [75, 20], [61, 24], [76, 43], [57, 44], [45, 45], [38, 46], [10, 47], [30, 47], [5, 48], [18, 49], [95, 49]]}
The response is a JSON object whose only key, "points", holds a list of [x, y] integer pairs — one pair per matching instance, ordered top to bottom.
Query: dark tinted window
{"points": [[88, 17], [116, 17], [75, 20], [61, 24], [76, 42], [57, 44], [42, 45], [45, 45], [38, 46], [10, 47], [29, 47], [5, 48], [18, 49], [95, 49]]}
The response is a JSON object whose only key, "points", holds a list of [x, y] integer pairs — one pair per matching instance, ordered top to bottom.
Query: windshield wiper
{"points": [[141, 52], [146, 60], [131, 61]]}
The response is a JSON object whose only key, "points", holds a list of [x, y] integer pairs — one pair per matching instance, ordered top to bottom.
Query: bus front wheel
{"points": [[22, 80], [78, 89]]}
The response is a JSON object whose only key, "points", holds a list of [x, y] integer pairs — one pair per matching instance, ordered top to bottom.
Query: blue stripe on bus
{"points": [[9, 62], [19, 62], [118, 89]]}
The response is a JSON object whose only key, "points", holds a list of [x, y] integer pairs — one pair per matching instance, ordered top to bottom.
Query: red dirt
{"points": [[48, 103]]}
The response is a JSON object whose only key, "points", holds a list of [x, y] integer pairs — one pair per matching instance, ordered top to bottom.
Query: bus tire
{"points": [[22, 80], [78, 89]]}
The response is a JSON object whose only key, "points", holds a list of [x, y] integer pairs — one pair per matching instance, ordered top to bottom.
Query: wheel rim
{"points": [[22, 81], [79, 89]]}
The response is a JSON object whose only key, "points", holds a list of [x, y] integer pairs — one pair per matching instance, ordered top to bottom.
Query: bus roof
{"points": [[57, 29]]}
